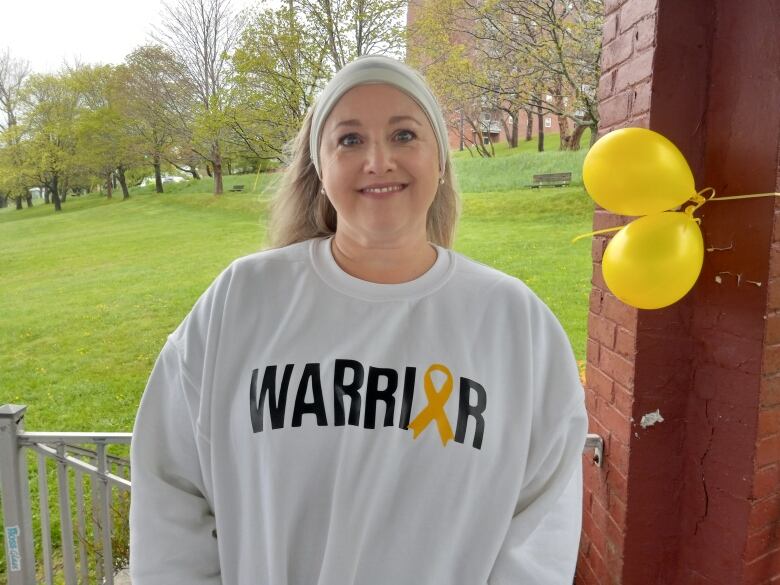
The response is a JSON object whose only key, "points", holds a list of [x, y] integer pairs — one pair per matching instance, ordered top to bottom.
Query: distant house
{"points": [[493, 129]]}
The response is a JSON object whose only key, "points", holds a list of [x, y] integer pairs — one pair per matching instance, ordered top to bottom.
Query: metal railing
{"points": [[76, 456], [105, 472]]}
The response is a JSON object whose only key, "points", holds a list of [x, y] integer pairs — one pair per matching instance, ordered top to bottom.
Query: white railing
{"points": [[105, 472], [85, 552]]}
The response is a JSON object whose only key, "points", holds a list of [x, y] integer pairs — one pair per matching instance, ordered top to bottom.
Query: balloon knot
{"points": [[698, 200]]}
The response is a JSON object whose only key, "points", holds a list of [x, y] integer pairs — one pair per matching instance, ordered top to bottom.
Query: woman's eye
{"points": [[406, 135], [348, 140]]}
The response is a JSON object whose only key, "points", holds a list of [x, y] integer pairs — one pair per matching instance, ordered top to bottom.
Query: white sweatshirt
{"points": [[305, 427]]}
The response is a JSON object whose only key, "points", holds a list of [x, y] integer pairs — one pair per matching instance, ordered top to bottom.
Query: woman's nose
{"points": [[379, 158]]}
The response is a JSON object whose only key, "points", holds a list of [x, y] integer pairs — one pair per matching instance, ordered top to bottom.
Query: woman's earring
{"points": [[441, 180], [322, 190]]}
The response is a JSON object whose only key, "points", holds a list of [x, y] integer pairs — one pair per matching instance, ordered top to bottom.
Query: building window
{"points": [[548, 122], [485, 138]]}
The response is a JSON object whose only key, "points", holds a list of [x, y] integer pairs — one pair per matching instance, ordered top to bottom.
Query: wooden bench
{"points": [[551, 180], [237, 188]]}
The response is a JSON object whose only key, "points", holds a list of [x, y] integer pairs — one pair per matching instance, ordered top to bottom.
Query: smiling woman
{"points": [[360, 403]]}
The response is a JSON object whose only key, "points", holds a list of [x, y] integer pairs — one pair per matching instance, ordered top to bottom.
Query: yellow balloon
{"points": [[635, 171], [655, 260]]}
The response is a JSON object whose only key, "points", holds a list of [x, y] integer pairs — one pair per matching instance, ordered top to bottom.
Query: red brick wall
{"points": [[624, 94], [762, 552]]}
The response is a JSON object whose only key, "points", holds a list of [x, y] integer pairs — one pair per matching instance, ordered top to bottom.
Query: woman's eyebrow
{"points": [[396, 119], [393, 120]]}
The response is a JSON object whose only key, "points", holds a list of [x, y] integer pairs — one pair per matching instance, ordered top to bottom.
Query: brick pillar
{"points": [[693, 499]]}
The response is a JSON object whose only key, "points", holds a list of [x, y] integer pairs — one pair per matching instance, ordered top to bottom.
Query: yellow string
{"points": [[713, 198], [698, 200], [614, 229]]}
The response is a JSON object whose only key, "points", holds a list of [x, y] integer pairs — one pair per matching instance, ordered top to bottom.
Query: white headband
{"points": [[377, 69]]}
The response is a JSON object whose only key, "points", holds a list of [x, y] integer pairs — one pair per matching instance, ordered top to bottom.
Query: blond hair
{"points": [[300, 211]]}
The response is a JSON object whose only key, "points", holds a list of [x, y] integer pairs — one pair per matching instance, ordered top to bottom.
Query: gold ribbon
{"points": [[698, 200], [434, 410]]}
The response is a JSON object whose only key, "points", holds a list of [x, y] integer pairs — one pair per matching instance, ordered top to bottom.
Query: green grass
{"points": [[514, 168], [89, 294]]}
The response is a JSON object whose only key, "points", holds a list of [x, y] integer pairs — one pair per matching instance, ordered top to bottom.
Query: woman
{"points": [[361, 404]]}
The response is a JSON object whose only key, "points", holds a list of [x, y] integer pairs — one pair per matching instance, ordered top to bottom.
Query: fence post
{"points": [[15, 491]]}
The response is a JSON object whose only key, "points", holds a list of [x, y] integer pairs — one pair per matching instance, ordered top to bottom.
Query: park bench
{"points": [[551, 180], [237, 188]]}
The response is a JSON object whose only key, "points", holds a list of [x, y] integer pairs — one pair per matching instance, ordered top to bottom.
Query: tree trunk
{"points": [[540, 123], [529, 125], [515, 128], [507, 130], [565, 134], [594, 134], [576, 137], [462, 140], [217, 160], [230, 167], [208, 170], [194, 172], [120, 173], [109, 186], [158, 187], [55, 195], [64, 195], [28, 197], [46, 199], [3, 201], [19, 202]]}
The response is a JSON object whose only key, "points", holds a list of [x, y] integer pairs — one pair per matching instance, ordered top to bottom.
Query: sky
{"points": [[49, 32]]}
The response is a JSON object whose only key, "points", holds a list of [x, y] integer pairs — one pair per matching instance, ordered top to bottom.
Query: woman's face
{"points": [[380, 165]]}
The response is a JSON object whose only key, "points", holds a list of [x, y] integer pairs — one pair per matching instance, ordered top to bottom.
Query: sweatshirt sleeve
{"points": [[172, 526], [542, 542]]}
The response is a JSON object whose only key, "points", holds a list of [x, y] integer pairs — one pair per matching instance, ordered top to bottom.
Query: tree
{"points": [[351, 28], [201, 34], [560, 41], [438, 47], [519, 52], [278, 67], [13, 73], [159, 101], [50, 123], [105, 145], [14, 181]]}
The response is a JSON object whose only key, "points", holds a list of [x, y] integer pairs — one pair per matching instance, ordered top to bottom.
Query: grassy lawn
{"points": [[89, 294]]}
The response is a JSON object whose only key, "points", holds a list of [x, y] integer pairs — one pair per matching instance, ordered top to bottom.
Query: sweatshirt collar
{"points": [[326, 267]]}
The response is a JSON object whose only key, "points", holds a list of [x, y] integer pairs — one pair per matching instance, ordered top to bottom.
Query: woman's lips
{"points": [[382, 192]]}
